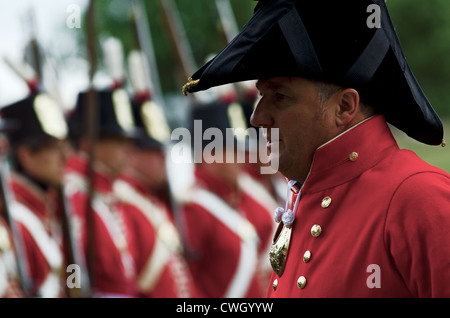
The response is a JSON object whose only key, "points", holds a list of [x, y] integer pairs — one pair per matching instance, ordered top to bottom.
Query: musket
{"points": [[227, 19], [179, 42], [144, 44], [32, 51], [37, 58], [91, 118], [7, 196]]}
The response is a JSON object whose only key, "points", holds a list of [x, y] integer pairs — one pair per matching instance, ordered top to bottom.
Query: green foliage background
{"points": [[200, 20], [424, 31]]}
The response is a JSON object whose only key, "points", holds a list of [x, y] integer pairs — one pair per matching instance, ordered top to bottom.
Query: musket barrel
{"points": [[179, 41], [91, 119], [7, 197]]}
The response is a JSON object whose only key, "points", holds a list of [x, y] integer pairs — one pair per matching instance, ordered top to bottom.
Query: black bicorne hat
{"points": [[332, 41], [114, 112]]}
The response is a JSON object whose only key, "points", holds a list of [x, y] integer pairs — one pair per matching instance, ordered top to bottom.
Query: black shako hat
{"points": [[331, 41], [115, 114], [36, 116], [220, 116], [154, 131]]}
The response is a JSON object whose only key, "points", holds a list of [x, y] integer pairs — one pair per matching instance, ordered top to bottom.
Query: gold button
{"points": [[353, 156], [326, 202], [316, 230], [307, 256], [301, 282], [275, 284]]}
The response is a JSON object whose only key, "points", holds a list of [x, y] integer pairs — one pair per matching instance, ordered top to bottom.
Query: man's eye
{"points": [[280, 96]]}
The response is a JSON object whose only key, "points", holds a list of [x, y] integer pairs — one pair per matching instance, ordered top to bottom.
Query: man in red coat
{"points": [[38, 156], [144, 194], [362, 218], [227, 227], [111, 264]]}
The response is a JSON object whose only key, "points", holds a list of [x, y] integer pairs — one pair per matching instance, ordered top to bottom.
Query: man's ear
{"points": [[347, 105]]}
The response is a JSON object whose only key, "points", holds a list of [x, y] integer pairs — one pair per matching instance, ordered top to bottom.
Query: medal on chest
{"points": [[280, 245], [279, 250]]}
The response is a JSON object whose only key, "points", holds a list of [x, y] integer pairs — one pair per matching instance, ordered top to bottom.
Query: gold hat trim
{"points": [[190, 83]]}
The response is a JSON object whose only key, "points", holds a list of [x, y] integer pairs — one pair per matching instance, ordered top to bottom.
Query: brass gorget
{"points": [[280, 246]]}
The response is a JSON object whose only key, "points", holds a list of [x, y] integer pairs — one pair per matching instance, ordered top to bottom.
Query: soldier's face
{"points": [[293, 106], [113, 153], [45, 164], [150, 166]]}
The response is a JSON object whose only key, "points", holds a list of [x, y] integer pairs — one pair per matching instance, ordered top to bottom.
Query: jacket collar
{"points": [[350, 154], [78, 163], [28, 193]]}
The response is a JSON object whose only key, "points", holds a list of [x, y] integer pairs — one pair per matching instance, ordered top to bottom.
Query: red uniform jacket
{"points": [[275, 184], [35, 214], [384, 217], [228, 231], [157, 248], [114, 272]]}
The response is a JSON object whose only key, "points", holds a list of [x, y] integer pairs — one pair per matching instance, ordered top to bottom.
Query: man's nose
{"points": [[261, 116]]}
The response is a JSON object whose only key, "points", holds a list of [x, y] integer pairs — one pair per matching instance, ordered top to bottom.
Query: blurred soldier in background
{"points": [[38, 156], [143, 188], [268, 189], [145, 198], [226, 227], [108, 257]]}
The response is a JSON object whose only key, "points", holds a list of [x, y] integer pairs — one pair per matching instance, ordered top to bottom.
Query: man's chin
{"points": [[272, 164]]}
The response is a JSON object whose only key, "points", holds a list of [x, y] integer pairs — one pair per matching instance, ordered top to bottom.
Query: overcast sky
{"points": [[55, 37]]}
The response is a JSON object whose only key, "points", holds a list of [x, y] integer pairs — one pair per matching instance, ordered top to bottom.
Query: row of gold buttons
{"points": [[316, 230]]}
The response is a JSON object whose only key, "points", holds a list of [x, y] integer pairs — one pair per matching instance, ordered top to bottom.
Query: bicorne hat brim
{"points": [[331, 41]]}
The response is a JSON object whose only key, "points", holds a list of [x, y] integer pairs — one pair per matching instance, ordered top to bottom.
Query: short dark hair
{"points": [[325, 90]]}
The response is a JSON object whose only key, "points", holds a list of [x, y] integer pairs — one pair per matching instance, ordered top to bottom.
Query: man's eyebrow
{"points": [[270, 84]]}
